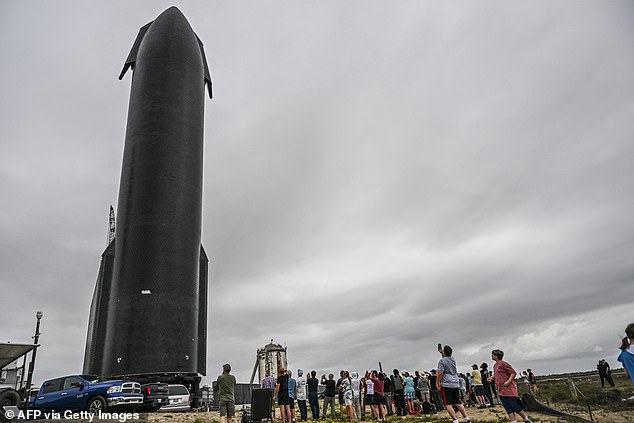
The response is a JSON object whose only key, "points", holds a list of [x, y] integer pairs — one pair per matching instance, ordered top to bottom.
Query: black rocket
{"points": [[149, 309]]}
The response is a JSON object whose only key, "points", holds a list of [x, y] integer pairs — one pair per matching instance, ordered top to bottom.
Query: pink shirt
{"points": [[502, 371]]}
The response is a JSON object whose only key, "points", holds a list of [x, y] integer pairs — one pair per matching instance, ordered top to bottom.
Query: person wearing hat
{"points": [[226, 383], [300, 395]]}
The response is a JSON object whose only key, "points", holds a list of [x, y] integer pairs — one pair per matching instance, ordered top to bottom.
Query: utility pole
{"points": [[36, 338]]}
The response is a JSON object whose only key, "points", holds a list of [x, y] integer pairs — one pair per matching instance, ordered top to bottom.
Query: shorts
{"points": [[479, 389], [409, 395], [450, 396], [368, 399], [378, 399], [283, 400], [347, 400], [292, 402], [511, 404], [227, 408]]}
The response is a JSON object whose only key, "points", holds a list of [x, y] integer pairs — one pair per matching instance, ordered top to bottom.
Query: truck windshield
{"points": [[93, 378]]}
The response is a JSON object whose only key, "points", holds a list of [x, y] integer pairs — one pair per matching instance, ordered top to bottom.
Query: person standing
{"points": [[627, 351], [605, 373], [484, 374], [504, 376], [416, 379], [532, 380], [462, 381], [269, 382], [226, 383], [355, 384], [448, 384], [292, 385], [423, 387], [478, 387], [388, 388], [340, 391], [368, 391], [409, 392], [313, 394], [329, 394], [348, 394], [281, 395], [301, 395], [379, 395], [471, 398], [399, 399], [436, 399]]}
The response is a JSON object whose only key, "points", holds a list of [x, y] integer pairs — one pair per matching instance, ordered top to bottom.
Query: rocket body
{"points": [[154, 319]]}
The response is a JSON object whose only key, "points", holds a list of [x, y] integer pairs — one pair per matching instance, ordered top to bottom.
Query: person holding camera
{"points": [[448, 384], [329, 394]]}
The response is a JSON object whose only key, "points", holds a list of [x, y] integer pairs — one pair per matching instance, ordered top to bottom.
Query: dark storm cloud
{"points": [[378, 178]]}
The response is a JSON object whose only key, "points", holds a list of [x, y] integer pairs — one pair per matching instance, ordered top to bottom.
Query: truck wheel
{"points": [[8, 397], [96, 404]]}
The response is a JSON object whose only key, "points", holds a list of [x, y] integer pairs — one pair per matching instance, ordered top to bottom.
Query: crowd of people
{"points": [[377, 395]]}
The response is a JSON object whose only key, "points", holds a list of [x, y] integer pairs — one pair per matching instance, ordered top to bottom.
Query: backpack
{"points": [[398, 383], [428, 408]]}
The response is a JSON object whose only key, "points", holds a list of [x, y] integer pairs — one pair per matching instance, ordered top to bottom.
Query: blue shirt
{"points": [[627, 359], [409, 385], [291, 388]]}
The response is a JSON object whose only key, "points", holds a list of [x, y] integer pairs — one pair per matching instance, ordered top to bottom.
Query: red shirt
{"points": [[502, 372], [378, 386]]}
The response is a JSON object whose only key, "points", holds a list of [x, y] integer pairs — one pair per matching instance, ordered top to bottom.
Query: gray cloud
{"points": [[378, 178]]}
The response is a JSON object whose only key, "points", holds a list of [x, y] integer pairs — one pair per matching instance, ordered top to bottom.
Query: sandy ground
{"points": [[474, 414], [491, 415]]}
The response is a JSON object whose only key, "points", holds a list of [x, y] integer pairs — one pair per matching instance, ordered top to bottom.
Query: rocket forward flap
{"points": [[135, 48], [129, 63], [207, 76]]}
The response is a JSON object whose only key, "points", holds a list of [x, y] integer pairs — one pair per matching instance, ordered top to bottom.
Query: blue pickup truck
{"points": [[86, 392]]}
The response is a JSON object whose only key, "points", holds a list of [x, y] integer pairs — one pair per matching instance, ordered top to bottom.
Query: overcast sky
{"points": [[379, 177]]}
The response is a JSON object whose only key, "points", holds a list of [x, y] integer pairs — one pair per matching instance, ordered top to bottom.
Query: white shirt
{"points": [[356, 385], [369, 387], [300, 388]]}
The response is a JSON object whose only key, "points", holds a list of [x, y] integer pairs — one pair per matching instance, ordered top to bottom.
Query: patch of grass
{"points": [[555, 391], [441, 417], [419, 418]]}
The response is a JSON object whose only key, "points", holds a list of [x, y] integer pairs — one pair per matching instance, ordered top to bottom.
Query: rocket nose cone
{"points": [[172, 14]]}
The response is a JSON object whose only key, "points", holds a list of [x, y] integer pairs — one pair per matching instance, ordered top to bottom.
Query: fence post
{"points": [[573, 389]]}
